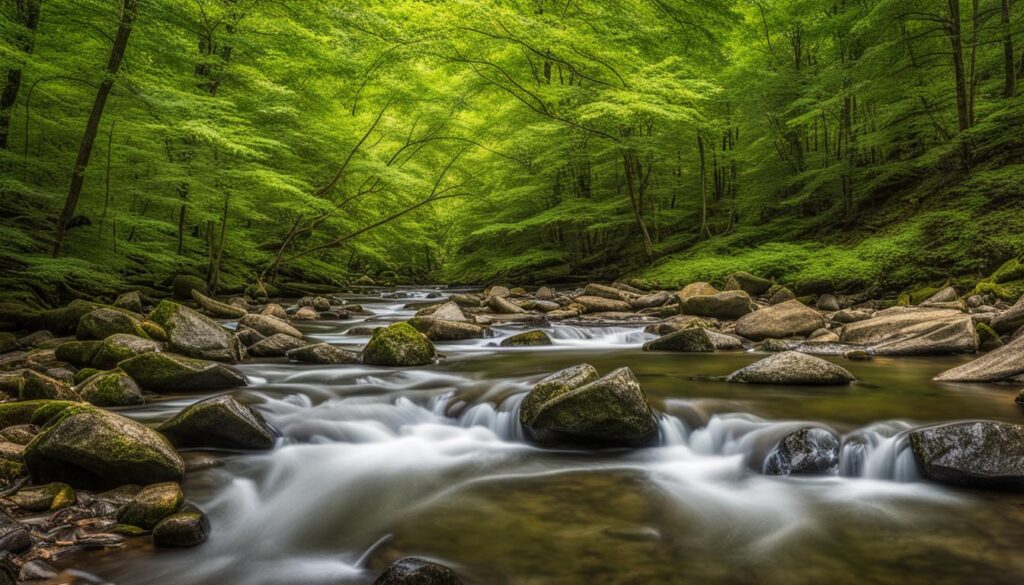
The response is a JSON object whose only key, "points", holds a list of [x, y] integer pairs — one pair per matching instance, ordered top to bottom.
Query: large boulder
{"points": [[747, 282], [184, 284], [696, 289], [650, 301], [593, 304], [502, 305], [726, 305], [217, 308], [449, 311], [788, 319], [1009, 320], [104, 322], [269, 325], [437, 329], [914, 331], [195, 335], [527, 339], [694, 339], [276, 345], [399, 345], [117, 348], [78, 353], [323, 353], [1000, 364], [791, 367], [168, 372], [561, 382], [37, 386], [113, 388], [612, 410], [220, 422], [87, 446], [806, 451], [984, 454], [151, 505], [414, 571]]}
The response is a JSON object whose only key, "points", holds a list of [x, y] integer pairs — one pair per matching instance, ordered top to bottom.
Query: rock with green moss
{"points": [[747, 282], [184, 284], [256, 292], [780, 295], [131, 301], [726, 305], [216, 308], [65, 319], [788, 319], [1009, 320], [104, 322], [442, 330], [154, 331], [193, 334], [534, 338], [988, 338], [693, 339], [8, 342], [276, 345], [399, 345], [117, 348], [78, 353], [323, 353], [791, 367], [168, 372], [552, 386], [42, 387], [113, 388], [612, 410], [23, 413], [220, 422], [19, 434], [86, 446], [10, 471], [43, 498], [151, 505], [181, 530]]}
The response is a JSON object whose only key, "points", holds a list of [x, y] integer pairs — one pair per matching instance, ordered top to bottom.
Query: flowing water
{"points": [[377, 463]]}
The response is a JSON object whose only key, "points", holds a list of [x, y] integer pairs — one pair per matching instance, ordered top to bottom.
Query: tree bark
{"points": [[129, 10], [28, 17], [955, 31], [1010, 88], [631, 178]]}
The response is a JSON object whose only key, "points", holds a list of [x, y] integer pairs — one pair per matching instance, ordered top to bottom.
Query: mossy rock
{"points": [[1010, 270], [747, 282], [184, 284], [1009, 291], [256, 292], [920, 295], [65, 319], [102, 323], [154, 331], [195, 335], [988, 338], [527, 339], [692, 339], [8, 342], [399, 345], [122, 346], [78, 353], [168, 372], [42, 387], [114, 388], [23, 413], [221, 422], [19, 434], [86, 446], [43, 498], [151, 505], [184, 529], [415, 571]]}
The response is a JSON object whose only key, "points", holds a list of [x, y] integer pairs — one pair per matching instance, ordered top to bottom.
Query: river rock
{"points": [[747, 282], [184, 284], [696, 289], [606, 292], [545, 293], [781, 295], [130, 301], [650, 301], [828, 303], [500, 304], [592, 304], [726, 305], [216, 308], [275, 310], [449, 311], [305, 314], [852, 316], [788, 319], [1009, 320], [103, 323], [676, 323], [269, 325], [440, 330], [914, 331], [195, 335], [248, 337], [527, 339], [693, 339], [724, 341], [276, 345], [399, 345], [117, 348], [78, 353], [323, 353], [1000, 364], [791, 367], [168, 372], [38, 386], [552, 386], [114, 388], [611, 410], [221, 422], [19, 434], [87, 446], [806, 451], [984, 454], [44, 498], [151, 505], [181, 530], [13, 536], [415, 571]]}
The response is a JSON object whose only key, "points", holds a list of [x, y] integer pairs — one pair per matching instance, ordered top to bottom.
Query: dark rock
{"points": [[748, 283], [184, 284], [781, 295], [130, 301], [828, 303], [102, 323], [248, 337], [527, 339], [694, 339], [276, 345], [399, 345], [78, 353], [323, 353], [792, 367], [168, 372], [114, 388], [220, 422], [806, 451], [984, 454], [44, 498], [151, 505], [184, 529], [13, 536], [36, 570], [415, 571]]}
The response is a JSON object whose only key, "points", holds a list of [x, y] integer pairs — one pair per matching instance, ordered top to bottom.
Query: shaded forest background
{"points": [[830, 144]]}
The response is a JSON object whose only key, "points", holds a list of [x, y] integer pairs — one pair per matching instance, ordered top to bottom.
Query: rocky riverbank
{"points": [[78, 475]]}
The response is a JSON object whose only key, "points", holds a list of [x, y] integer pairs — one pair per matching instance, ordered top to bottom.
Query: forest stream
{"points": [[374, 464]]}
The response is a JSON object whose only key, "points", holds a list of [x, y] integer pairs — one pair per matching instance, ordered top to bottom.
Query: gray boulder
{"points": [[606, 292], [130, 301], [650, 301], [828, 303], [727, 305], [788, 319], [103, 323], [269, 325], [441, 330], [914, 331], [195, 335], [694, 339], [276, 345], [117, 348], [323, 353], [1000, 364], [791, 367], [168, 372], [113, 388], [221, 422], [806, 451], [983, 454]]}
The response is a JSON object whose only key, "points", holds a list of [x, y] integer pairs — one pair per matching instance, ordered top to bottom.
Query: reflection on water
{"points": [[377, 464]]}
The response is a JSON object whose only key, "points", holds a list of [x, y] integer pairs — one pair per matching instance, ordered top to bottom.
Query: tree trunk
{"points": [[129, 10], [28, 17], [955, 30], [1010, 89], [631, 171], [183, 190], [704, 229]]}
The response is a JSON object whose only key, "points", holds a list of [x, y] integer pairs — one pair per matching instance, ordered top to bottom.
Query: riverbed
{"points": [[375, 464]]}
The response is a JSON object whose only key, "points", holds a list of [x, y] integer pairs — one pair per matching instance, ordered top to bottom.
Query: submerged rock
{"points": [[788, 319], [195, 335], [527, 338], [693, 339], [399, 345], [323, 353], [1000, 364], [791, 367], [168, 372], [611, 410], [220, 422], [87, 446], [806, 451], [983, 454], [151, 505], [184, 529], [415, 571]]}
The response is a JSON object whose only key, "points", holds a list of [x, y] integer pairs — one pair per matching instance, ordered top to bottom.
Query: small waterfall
{"points": [[599, 336]]}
